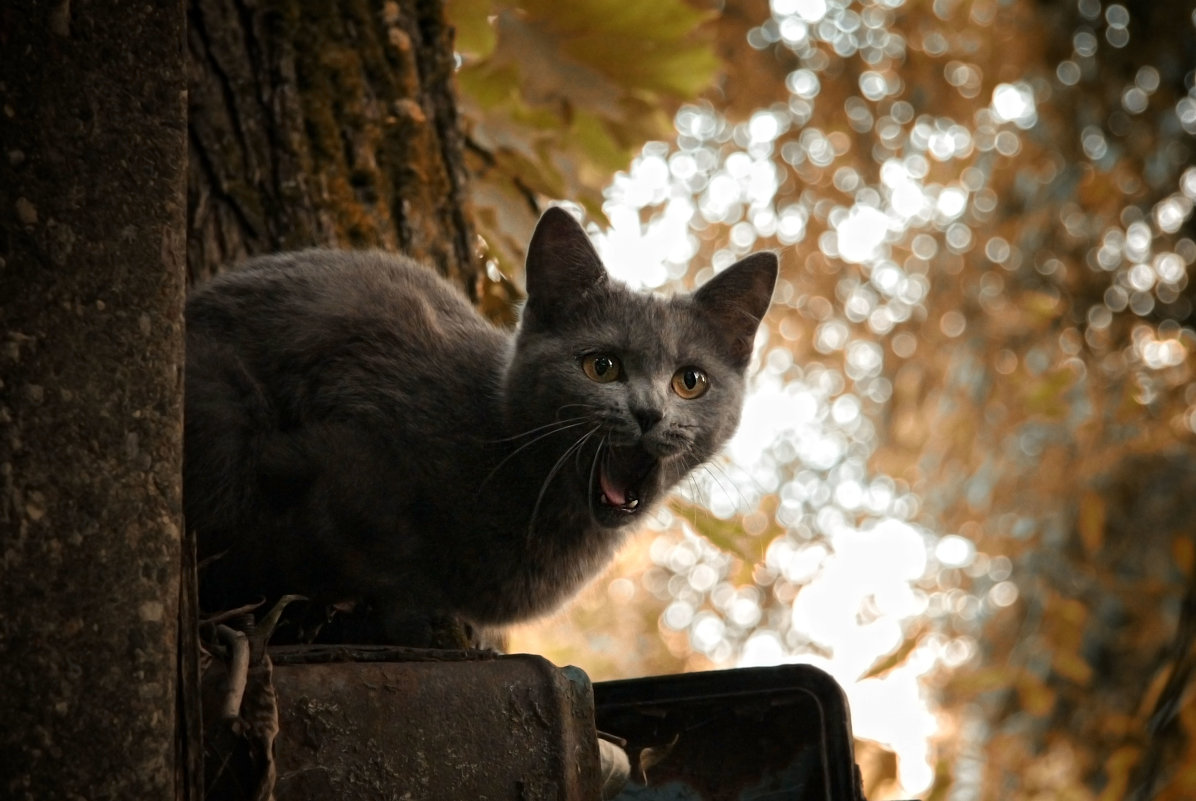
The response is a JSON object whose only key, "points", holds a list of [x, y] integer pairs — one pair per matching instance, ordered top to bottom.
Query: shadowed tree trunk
{"points": [[319, 123], [91, 290]]}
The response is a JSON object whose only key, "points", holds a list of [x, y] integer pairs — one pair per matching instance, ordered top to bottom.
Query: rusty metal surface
{"points": [[514, 727], [781, 734]]}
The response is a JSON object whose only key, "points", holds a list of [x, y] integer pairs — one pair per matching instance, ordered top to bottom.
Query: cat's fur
{"points": [[357, 433]]}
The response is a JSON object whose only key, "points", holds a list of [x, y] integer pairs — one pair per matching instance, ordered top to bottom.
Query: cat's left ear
{"points": [[562, 266], [737, 299]]}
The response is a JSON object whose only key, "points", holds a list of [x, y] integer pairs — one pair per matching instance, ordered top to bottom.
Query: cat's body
{"points": [[356, 433]]}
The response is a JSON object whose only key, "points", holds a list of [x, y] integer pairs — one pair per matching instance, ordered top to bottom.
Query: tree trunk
{"points": [[321, 123], [91, 291]]}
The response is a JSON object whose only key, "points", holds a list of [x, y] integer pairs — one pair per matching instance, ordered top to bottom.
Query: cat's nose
{"points": [[646, 417]]}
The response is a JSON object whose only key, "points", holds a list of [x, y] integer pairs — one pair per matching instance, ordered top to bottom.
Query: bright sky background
{"points": [[807, 431], [873, 567]]}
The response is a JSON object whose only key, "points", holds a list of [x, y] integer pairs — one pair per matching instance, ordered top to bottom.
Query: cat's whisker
{"points": [[587, 406], [559, 423], [557, 429], [577, 454], [690, 463], [594, 464], [556, 467], [721, 467], [723, 487], [702, 491], [738, 495], [701, 496], [323, 515], [657, 515]]}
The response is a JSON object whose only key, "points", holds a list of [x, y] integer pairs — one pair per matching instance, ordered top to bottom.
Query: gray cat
{"points": [[358, 434]]}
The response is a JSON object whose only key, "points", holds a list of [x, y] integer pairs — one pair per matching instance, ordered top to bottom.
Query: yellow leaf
{"points": [[475, 33], [642, 46], [559, 96], [591, 133], [1043, 304], [1045, 395], [1091, 523], [725, 534], [1183, 551], [1070, 613], [898, 657], [1072, 666], [984, 680], [1154, 689], [1037, 699], [1119, 768]]}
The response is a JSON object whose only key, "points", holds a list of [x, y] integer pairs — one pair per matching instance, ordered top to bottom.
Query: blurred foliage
{"points": [[557, 97], [977, 469]]}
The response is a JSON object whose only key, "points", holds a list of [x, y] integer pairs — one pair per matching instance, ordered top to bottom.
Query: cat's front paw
{"points": [[440, 630]]}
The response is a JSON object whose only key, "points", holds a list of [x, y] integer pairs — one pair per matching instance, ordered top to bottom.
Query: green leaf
{"points": [[475, 34], [557, 97], [727, 535]]}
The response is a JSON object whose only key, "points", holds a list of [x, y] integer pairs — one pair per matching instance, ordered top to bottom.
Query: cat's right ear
{"points": [[562, 266], [737, 298]]}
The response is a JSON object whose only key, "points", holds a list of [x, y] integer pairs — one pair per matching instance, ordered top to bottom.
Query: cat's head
{"points": [[632, 391]]}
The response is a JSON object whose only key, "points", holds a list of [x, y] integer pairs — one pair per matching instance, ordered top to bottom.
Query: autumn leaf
{"points": [[475, 37], [557, 97], [1046, 395], [1091, 521], [727, 535], [1183, 551], [898, 657], [1070, 665], [984, 680], [1037, 697], [1119, 768]]}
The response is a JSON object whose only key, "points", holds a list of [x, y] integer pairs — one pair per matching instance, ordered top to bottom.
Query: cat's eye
{"points": [[601, 367], [690, 383]]}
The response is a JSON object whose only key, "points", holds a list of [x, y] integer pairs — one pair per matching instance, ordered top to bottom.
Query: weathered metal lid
{"points": [[779, 733]]}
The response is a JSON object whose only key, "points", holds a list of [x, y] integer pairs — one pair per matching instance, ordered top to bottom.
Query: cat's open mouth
{"points": [[621, 476]]}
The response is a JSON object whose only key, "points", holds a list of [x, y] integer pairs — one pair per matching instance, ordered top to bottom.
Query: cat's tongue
{"points": [[612, 492]]}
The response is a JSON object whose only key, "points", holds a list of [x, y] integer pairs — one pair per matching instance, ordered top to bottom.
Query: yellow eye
{"points": [[601, 368], [690, 383]]}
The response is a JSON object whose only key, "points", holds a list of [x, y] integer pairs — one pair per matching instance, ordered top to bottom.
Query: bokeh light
{"points": [[916, 224]]}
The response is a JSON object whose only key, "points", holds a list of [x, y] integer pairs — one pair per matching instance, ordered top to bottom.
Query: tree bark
{"points": [[322, 123], [327, 124], [91, 289]]}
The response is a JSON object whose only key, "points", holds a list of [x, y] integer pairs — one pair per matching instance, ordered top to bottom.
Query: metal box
{"points": [[779, 733]]}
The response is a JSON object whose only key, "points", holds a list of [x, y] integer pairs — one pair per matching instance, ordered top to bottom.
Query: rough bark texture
{"points": [[320, 123], [324, 123], [93, 132]]}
